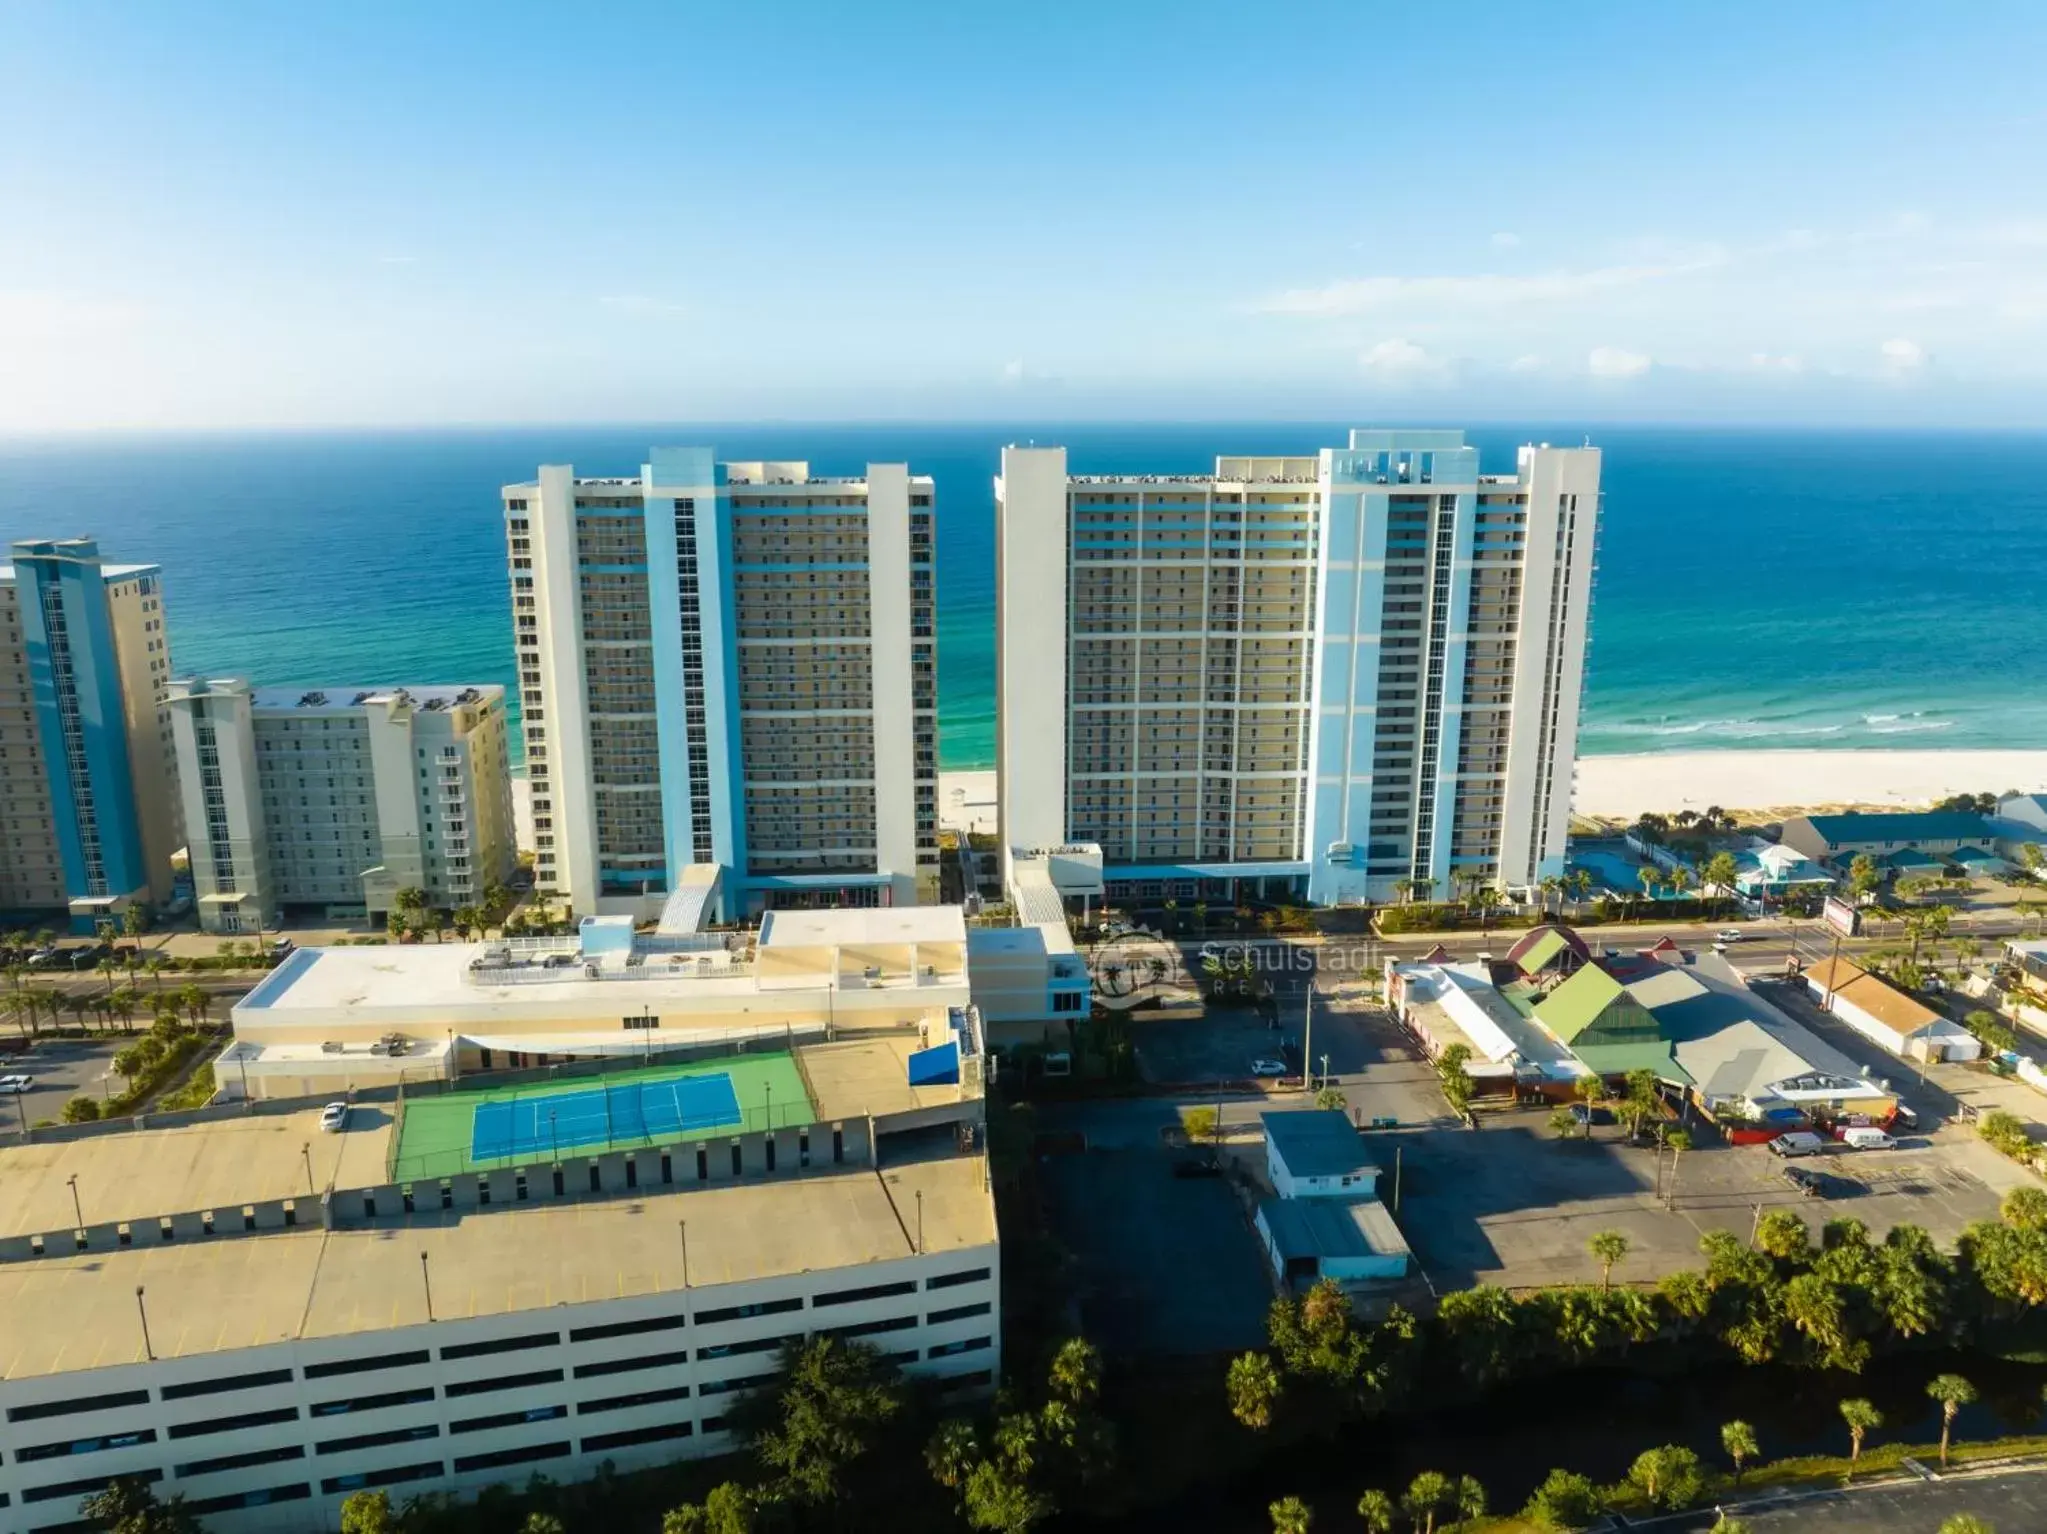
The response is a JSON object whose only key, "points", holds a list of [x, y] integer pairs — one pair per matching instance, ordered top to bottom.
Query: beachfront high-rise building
{"points": [[731, 667], [1336, 678], [88, 800], [328, 802]]}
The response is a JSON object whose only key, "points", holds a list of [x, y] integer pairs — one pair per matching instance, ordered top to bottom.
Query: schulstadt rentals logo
{"points": [[1134, 965]]}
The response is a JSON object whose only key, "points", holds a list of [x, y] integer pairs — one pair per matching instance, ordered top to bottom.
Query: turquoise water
{"points": [[1756, 588]]}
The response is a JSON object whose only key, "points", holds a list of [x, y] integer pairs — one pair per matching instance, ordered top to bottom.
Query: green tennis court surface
{"points": [[485, 1127]]}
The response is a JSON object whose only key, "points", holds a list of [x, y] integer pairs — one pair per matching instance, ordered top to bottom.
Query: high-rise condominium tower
{"points": [[730, 666], [1341, 678], [88, 800], [329, 802]]}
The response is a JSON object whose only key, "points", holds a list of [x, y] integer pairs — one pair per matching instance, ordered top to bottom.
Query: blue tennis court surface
{"points": [[634, 1112]]}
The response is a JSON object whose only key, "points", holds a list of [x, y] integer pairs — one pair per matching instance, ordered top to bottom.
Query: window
{"points": [[953, 1280], [871, 1292], [763, 1308], [956, 1313], [626, 1328], [871, 1328], [501, 1345], [753, 1345], [948, 1349], [634, 1364], [363, 1365], [506, 1382], [221, 1386], [726, 1387], [641, 1398], [374, 1402], [77, 1404], [508, 1419], [235, 1424], [642, 1435], [378, 1440], [85, 1445], [525, 1456], [240, 1461], [431, 1469], [86, 1487], [263, 1498]]}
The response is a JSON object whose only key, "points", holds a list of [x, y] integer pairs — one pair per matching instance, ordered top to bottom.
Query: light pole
{"points": [[1307, 1029], [553, 1139], [306, 1151], [76, 1208], [920, 1221], [682, 1231], [427, 1284], [141, 1310]]}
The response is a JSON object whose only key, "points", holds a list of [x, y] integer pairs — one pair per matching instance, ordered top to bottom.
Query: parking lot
{"points": [[62, 1069], [1161, 1263]]}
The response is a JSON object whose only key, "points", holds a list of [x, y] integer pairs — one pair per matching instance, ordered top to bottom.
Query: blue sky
{"points": [[225, 215]]}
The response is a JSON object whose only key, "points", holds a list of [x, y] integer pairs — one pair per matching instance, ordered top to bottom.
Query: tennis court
{"points": [[506, 1126]]}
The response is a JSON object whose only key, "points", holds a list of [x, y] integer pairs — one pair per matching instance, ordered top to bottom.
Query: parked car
{"points": [[86, 957], [43, 958], [1268, 1068], [17, 1084], [1589, 1114], [1905, 1116], [334, 1117], [1864, 1138], [1797, 1143], [1197, 1166], [1805, 1181]]}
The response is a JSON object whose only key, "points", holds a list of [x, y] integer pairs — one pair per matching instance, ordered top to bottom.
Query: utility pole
{"points": [[1307, 1029], [306, 1152], [1396, 1176], [77, 1209], [920, 1221], [1754, 1224], [682, 1231], [428, 1284], [148, 1350]]}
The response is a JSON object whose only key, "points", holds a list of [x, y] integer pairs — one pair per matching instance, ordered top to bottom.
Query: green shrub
{"points": [[1566, 1500]]}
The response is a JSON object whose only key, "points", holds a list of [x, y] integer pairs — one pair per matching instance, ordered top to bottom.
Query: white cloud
{"points": [[1506, 240], [1357, 295], [1902, 357], [1398, 360], [1614, 362], [1768, 362], [1530, 363], [1012, 370]]}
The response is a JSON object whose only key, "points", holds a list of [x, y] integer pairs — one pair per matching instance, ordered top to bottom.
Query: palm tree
{"points": [[1721, 871], [1648, 876], [1679, 878], [1423, 888], [156, 964], [195, 1000], [78, 1006], [1610, 1247], [1953, 1392], [1861, 1417], [1739, 1440], [1426, 1495], [1468, 1497], [1375, 1508], [1290, 1515], [1964, 1523]]}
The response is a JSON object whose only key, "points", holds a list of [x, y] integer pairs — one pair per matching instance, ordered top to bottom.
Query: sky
{"points": [[365, 214]]}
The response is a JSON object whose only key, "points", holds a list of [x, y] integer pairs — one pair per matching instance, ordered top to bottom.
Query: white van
{"points": [[1867, 1139], [1797, 1143]]}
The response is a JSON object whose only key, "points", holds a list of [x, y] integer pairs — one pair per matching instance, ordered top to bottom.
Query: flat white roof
{"points": [[345, 699], [858, 927], [430, 975]]}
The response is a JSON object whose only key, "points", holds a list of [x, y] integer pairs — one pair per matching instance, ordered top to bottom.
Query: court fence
{"points": [[700, 1048], [432, 1166]]}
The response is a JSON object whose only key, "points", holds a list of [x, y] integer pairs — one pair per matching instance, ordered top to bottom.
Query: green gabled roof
{"points": [[1541, 951], [1593, 1008], [1619, 1059]]}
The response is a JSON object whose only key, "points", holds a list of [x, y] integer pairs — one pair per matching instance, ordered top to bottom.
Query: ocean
{"points": [[1756, 587]]}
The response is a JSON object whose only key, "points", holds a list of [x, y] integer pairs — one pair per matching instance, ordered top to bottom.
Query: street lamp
{"points": [[76, 1208], [427, 1284], [141, 1310]]}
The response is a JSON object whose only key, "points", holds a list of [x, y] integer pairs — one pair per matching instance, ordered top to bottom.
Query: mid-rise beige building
{"points": [[732, 665], [328, 802]]}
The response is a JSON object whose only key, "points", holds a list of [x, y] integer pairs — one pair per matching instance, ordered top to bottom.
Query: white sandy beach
{"points": [[1795, 780], [1781, 781], [1625, 786]]}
